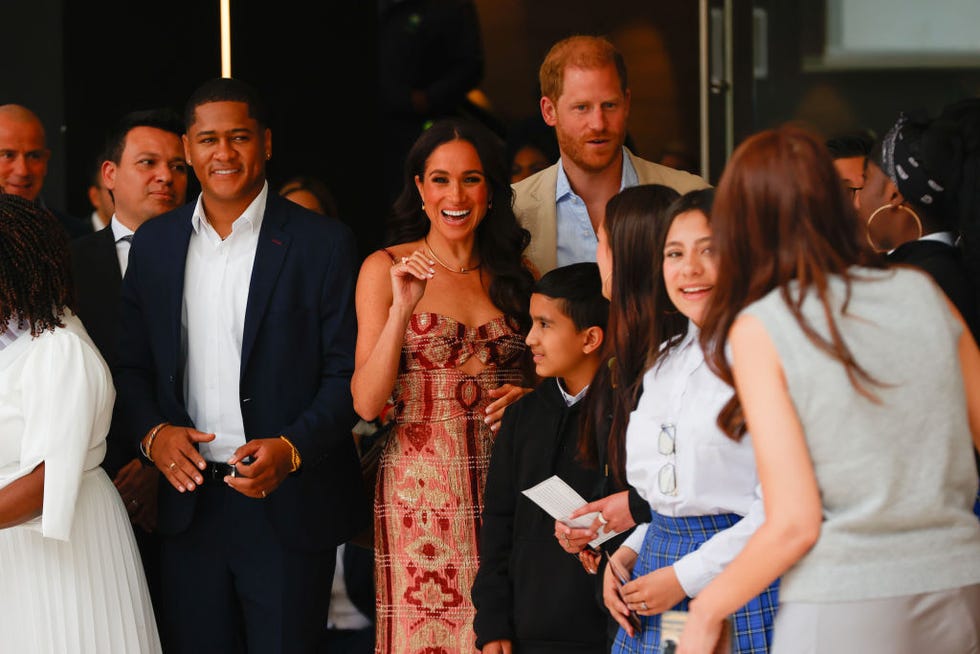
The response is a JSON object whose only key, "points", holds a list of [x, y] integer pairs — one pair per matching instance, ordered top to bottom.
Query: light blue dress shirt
{"points": [[576, 238]]}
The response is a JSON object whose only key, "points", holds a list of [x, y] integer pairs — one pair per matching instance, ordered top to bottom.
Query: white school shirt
{"points": [[212, 324], [714, 474]]}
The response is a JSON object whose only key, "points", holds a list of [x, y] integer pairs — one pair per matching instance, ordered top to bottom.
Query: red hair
{"points": [[780, 216]]}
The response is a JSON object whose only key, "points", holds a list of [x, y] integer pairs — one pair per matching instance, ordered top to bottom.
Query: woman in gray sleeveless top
{"points": [[861, 388]]}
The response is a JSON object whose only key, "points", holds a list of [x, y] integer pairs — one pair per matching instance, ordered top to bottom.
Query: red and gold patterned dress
{"points": [[430, 485]]}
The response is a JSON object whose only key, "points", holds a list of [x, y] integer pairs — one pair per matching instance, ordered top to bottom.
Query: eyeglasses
{"points": [[667, 477]]}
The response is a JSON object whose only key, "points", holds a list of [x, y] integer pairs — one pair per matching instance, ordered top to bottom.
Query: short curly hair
{"points": [[35, 277]]}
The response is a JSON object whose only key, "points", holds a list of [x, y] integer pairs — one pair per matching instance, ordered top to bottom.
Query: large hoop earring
{"points": [[874, 214]]}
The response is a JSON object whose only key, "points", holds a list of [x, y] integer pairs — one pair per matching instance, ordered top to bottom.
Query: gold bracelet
{"points": [[148, 441], [294, 460]]}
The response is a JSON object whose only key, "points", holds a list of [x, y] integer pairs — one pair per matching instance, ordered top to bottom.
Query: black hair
{"points": [[225, 89], [164, 119], [534, 132], [852, 144], [317, 188], [636, 226], [500, 240], [35, 278], [578, 289]]}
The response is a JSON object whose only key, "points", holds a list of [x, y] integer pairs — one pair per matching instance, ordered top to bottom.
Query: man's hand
{"points": [[503, 396], [175, 455], [272, 459], [138, 486], [497, 647]]}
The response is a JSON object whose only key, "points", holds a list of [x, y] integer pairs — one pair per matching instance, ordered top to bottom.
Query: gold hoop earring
{"points": [[874, 214]]}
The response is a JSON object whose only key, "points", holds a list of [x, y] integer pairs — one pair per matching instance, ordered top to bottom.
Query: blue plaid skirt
{"points": [[667, 540]]}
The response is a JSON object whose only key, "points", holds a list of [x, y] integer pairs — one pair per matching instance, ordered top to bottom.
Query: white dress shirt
{"points": [[119, 233], [216, 282], [714, 474]]}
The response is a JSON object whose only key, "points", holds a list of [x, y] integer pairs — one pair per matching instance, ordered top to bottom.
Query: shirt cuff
{"points": [[635, 540], [692, 574]]}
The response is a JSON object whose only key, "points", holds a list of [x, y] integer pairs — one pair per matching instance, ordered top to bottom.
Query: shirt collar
{"points": [[563, 188], [251, 218], [118, 229], [570, 400]]}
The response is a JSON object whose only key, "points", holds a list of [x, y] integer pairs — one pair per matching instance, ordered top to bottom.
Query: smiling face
{"points": [[589, 117], [228, 150], [23, 155], [150, 178], [454, 189], [690, 266]]}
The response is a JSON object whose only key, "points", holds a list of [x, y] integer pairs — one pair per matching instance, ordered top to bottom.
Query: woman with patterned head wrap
{"points": [[920, 198]]}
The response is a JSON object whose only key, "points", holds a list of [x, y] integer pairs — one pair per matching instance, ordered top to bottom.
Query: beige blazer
{"points": [[534, 204]]}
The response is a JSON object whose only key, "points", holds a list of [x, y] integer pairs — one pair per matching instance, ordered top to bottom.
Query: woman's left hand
{"points": [[503, 396], [654, 592], [700, 635]]}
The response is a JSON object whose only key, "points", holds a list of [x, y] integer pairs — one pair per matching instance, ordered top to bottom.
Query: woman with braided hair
{"points": [[70, 574]]}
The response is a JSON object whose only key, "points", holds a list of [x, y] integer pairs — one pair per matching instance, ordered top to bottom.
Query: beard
{"points": [[589, 158]]}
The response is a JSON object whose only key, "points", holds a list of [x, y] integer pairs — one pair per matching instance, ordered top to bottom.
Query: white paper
{"points": [[559, 500]]}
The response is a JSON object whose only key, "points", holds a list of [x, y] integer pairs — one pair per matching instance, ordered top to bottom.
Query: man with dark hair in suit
{"points": [[24, 156], [146, 175], [234, 371]]}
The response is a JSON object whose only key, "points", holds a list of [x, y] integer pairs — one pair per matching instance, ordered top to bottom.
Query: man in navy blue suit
{"points": [[234, 372]]}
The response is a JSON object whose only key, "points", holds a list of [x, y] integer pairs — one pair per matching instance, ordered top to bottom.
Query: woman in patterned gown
{"points": [[441, 313]]}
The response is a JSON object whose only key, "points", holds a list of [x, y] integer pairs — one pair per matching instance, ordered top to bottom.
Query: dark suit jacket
{"points": [[945, 265], [95, 270], [297, 360]]}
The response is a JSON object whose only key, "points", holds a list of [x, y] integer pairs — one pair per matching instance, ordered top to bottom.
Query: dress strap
{"points": [[390, 255]]}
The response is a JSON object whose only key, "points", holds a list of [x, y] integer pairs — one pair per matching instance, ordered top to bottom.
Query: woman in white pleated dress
{"points": [[70, 574]]}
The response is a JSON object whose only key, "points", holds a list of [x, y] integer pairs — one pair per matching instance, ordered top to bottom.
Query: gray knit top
{"points": [[897, 478]]}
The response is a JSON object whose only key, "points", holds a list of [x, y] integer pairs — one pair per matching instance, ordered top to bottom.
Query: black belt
{"points": [[218, 471]]}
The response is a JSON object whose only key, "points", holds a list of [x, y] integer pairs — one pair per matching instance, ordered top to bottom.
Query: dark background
{"points": [[81, 65]]}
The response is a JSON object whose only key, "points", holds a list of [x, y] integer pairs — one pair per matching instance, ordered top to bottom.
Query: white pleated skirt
{"points": [[86, 595]]}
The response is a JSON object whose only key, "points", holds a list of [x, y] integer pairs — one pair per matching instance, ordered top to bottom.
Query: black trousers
{"points": [[231, 586]]}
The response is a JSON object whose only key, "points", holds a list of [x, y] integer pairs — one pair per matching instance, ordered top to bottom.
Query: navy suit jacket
{"points": [[297, 360]]}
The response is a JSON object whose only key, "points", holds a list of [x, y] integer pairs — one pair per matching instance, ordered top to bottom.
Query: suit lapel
{"points": [[269, 256], [174, 287]]}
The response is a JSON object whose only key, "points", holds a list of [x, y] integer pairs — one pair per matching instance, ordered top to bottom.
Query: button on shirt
{"points": [[122, 235], [576, 237], [216, 283], [714, 474]]}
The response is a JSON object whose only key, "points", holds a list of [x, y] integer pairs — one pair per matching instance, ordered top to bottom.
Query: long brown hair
{"points": [[780, 216], [636, 225]]}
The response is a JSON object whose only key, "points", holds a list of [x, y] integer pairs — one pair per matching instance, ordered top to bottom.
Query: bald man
{"points": [[24, 156]]}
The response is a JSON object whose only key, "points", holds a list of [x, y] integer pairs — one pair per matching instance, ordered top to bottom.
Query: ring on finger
{"points": [[173, 464], [263, 493], [602, 519], [644, 605]]}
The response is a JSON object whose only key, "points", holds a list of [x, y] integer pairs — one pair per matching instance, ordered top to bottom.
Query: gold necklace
{"points": [[444, 264]]}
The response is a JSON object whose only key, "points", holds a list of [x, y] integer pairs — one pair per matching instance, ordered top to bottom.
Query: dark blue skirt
{"points": [[667, 540]]}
